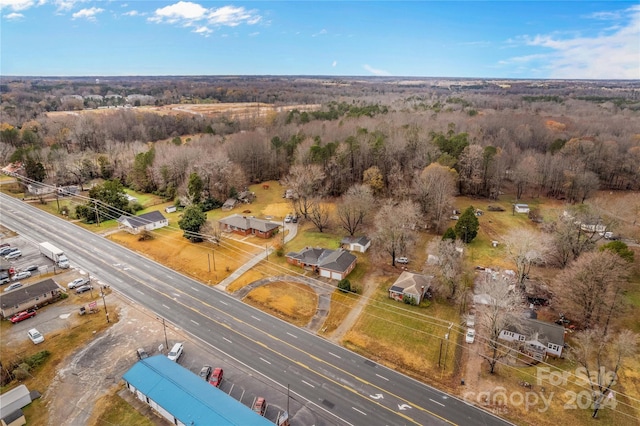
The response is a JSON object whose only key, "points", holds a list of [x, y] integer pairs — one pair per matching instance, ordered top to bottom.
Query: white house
{"points": [[521, 208], [144, 222], [359, 244], [538, 338]]}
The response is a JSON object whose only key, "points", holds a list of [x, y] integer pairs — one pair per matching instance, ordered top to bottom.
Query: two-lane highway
{"points": [[343, 387]]}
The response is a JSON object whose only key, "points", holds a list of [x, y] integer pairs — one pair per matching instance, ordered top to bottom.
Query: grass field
{"points": [[290, 301], [116, 411]]}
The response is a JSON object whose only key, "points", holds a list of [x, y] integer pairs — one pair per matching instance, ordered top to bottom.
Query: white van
{"points": [[176, 352]]}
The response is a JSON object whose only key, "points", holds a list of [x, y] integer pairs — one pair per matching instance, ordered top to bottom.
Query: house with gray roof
{"points": [[144, 222], [247, 225], [359, 244], [334, 264], [410, 285], [29, 296], [538, 338]]}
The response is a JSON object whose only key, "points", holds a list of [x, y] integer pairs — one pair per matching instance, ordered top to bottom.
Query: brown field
{"points": [[234, 110], [293, 302]]}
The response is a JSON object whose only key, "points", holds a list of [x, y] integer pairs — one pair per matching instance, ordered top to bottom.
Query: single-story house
{"points": [[229, 204], [521, 208], [144, 222], [244, 225], [360, 244], [334, 264], [410, 285], [29, 296], [538, 338], [183, 398], [11, 404]]}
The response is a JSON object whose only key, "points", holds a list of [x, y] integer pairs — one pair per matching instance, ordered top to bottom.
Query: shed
{"points": [[229, 204], [521, 208], [359, 244], [183, 398], [11, 404]]}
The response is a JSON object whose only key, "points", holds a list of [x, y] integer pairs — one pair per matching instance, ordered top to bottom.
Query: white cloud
{"points": [[16, 5], [66, 5], [181, 11], [89, 13], [132, 13], [188, 14], [14, 16], [233, 16], [203, 31], [321, 32], [611, 54], [334, 64], [375, 71]]}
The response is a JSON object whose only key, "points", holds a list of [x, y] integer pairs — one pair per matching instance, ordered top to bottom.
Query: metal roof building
{"points": [[183, 398]]}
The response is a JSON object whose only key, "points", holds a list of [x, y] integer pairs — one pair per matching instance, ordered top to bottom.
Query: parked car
{"points": [[287, 218], [294, 219], [6, 250], [13, 255], [402, 260], [31, 268], [21, 275], [5, 280], [77, 283], [13, 286], [83, 288], [21, 316], [471, 335], [35, 336], [176, 352], [141, 353], [205, 372], [216, 377], [260, 405]]}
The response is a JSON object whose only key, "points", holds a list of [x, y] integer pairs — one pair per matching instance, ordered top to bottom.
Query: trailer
{"points": [[55, 254]]}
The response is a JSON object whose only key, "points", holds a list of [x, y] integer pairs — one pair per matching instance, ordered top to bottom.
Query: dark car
{"points": [[6, 250], [31, 268], [83, 288], [21, 316], [142, 354], [205, 372], [216, 377], [260, 406]]}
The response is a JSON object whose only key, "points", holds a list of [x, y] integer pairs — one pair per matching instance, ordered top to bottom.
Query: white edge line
{"points": [[436, 402], [361, 412]]}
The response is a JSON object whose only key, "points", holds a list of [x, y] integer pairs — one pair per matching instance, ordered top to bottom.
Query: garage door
{"points": [[325, 273], [336, 275]]}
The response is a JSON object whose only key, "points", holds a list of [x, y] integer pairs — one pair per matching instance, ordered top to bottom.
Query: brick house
{"points": [[243, 225], [334, 264], [29, 296]]}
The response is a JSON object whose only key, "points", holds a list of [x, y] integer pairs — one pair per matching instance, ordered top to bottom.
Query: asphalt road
{"points": [[336, 385]]}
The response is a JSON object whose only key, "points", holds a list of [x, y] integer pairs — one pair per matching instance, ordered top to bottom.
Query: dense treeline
{"points": [[558, 139]]}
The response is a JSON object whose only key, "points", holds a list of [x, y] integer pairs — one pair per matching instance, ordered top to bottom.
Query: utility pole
{"points": [[95, 204], [213, 254], [209, 260], [105, 305], [164, 327]]}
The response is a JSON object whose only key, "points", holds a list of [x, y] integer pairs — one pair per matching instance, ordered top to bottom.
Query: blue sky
{"points": [[500, 39]]}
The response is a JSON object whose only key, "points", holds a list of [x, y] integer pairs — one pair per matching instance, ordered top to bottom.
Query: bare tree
{"points": [[306, 183], [434, 189], [354, 208], [319, 214], [395, 228], [526, 247], [449, 266], [590, 287], [502, 310], [602, 356]]}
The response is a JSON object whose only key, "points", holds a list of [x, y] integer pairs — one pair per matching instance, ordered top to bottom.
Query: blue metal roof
{"points": [[187, 397]]}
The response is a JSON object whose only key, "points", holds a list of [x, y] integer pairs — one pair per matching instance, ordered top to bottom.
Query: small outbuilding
{"points": [[229, 204], [521, 208], [144, 222], [359, 244], [11, 404]]}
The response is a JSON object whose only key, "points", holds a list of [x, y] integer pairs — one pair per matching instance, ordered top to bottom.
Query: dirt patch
{"points": [[293, 302]]}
